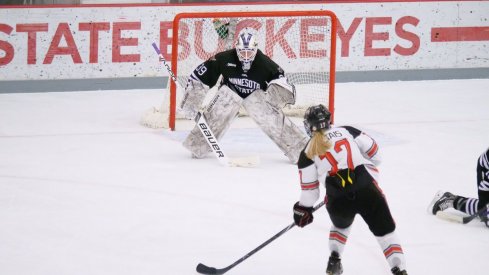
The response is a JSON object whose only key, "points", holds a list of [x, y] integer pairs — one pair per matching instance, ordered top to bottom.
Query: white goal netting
{"points": [[301, 42]]}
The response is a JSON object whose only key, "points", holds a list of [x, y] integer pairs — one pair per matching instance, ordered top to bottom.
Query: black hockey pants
{"points": [[482, 179], [368, 201]]}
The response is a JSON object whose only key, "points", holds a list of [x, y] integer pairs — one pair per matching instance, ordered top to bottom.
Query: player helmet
{"points": [[246, 47], [316, 118]]}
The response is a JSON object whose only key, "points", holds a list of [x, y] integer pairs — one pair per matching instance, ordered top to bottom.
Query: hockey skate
{"points": [[441, 201], [334, 264], [397, 271]]}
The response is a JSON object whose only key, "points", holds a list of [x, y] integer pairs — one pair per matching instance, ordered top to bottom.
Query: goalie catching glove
{"points": [[280, 93], [302, 215]]}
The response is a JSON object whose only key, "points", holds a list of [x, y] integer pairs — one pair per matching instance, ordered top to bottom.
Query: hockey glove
{"points": [[302, 215]]}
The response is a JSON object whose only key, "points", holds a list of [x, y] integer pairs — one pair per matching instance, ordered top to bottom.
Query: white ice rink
{"points": [[86, 190]]}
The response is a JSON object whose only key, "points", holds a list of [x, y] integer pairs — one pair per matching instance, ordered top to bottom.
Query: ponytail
{"points": [[318, 145]]}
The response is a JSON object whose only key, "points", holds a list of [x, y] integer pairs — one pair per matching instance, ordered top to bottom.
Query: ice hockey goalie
{"points": [[251, 80]]}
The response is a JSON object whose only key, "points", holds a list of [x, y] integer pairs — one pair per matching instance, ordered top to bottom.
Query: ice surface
{"points": [[86, 190]]}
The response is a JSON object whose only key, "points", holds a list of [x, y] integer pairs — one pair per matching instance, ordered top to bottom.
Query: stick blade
{"points": [[247, 162], [449, 217], [203, 269]]}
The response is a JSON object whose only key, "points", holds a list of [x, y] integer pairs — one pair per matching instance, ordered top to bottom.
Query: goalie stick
{"points": [[206, 130], [217, 149], [460, 219], [204, 269]]}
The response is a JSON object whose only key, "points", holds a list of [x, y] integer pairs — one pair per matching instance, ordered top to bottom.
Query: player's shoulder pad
{"points": [[225, 55], [264, 60], [352, 130], [304, 161]]}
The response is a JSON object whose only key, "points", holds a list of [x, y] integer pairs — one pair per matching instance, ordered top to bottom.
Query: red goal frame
{"points": [[174, 52]]}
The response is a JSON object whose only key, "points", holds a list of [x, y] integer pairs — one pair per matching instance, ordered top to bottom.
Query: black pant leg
{"points": [[482, 183], [373, 208], [341, 211]]}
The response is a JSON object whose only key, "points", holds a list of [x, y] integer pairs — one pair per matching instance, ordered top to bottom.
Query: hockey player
{"points": [[250, 80], [348, 157], [444, 200]]}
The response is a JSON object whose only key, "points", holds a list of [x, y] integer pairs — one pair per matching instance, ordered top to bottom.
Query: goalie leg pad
{"points": [[193, 97], [220, 113], [288, 136]]}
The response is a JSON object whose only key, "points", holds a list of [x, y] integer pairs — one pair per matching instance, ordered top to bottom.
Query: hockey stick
{"points": [[169, 70], [154, 117], [206, 130], [217, 149], [460, 219], [203, 269]]}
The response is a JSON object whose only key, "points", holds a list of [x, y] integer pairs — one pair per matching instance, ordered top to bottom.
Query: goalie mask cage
{"points": [[303, 43]]}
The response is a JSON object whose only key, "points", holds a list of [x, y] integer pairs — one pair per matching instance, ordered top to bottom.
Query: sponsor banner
{"points": [[79, 42]]}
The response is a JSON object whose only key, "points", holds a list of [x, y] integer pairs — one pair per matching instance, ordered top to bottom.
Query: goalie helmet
{"points": [[246, 47], [316, 118]]}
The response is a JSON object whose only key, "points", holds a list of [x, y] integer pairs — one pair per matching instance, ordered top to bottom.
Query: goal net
{"points": [[303, 43]]}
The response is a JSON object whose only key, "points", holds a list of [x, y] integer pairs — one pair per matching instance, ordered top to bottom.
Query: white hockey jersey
{"points": [[351, 148]]}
